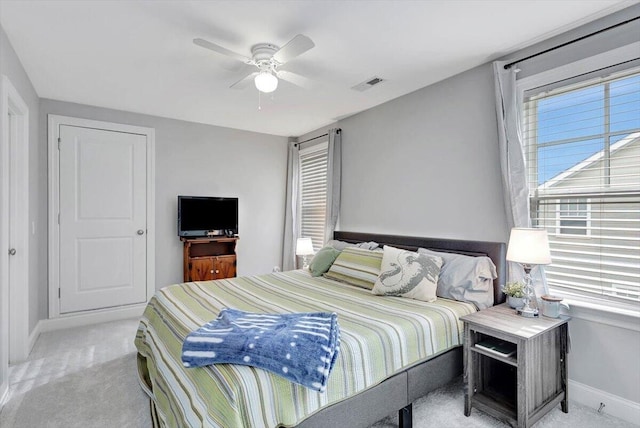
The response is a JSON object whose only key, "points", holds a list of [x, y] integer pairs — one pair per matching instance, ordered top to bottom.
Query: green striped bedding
{"points": [[379, 337]]}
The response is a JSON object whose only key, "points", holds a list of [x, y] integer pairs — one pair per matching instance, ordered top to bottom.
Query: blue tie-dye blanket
{"points": [[301, 347]]}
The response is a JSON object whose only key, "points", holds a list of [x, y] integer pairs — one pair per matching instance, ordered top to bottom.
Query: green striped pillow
{"points": [[356, 266]]}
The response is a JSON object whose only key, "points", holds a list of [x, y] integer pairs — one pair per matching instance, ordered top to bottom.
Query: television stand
{"points": [[209, 258]]}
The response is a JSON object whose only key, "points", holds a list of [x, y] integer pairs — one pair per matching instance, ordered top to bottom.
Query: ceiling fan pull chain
{"points": [[259, 107]]}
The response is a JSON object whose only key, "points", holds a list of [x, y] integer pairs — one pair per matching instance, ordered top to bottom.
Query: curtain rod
{"points": [[586, 36], [583, 74], [319, 136], [314, 138]]}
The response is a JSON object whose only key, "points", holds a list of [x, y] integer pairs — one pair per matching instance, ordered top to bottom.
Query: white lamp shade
{"points": [[266, 82], [529, 246], [304, 247]]}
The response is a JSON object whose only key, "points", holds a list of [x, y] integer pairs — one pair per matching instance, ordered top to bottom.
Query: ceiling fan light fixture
{"points": [[266, 82]]}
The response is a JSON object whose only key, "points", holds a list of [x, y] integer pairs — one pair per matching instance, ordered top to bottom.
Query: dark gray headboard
{"points": [[496, 251]]}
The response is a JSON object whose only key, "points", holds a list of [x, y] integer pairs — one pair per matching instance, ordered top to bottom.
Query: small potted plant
{"points": [[515, 293]]}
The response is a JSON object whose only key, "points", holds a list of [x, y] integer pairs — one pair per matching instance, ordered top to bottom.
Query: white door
{"points": [[103, 200], [14, 225], [5, 252], [5, 256]]}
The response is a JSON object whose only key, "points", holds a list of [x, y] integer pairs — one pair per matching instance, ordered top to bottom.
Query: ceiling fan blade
{"points": [[296, 46], [219, 49], [296, 79], [245, 81]]}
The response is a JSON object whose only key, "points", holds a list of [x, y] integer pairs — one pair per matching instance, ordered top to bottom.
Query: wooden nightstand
{"points": [[521, 388]]}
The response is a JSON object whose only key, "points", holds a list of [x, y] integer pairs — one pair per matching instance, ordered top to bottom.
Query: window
{"points": [[582, 145], [313, 192]]}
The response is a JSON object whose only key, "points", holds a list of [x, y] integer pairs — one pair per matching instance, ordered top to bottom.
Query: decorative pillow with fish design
{"points": [[408, 274]]}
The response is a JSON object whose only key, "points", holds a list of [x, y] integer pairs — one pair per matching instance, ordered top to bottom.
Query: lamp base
{"points": [[527, 312]]}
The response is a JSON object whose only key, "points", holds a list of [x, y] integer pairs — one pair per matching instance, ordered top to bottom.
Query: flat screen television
{"points": [[207, 216]]}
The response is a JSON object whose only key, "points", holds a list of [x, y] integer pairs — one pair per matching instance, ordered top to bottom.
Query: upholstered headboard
{"points": [[496, 251]]}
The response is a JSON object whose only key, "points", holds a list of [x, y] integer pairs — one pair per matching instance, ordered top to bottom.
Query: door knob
{"points": [[140, 232], [12, 252]]}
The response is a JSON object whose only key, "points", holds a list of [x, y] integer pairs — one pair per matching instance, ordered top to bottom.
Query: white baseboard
{"points": [[88, 318], [613, 405]]}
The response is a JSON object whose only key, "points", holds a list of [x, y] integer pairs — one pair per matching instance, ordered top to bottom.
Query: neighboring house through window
{"points": [[582, 147], [313, 192], [573, 217]]}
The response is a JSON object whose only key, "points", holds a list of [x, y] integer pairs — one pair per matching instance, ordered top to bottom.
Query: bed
{"points": [[385, 362]]}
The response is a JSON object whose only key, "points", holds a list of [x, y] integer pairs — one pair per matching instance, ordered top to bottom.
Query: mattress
{"points": [[380, 336]]}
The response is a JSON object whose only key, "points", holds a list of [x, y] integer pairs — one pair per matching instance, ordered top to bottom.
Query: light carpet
{"points": [[86, 377]]}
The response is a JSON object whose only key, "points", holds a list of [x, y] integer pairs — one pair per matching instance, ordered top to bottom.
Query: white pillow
{"points": [[408, 274], [465, 278]]}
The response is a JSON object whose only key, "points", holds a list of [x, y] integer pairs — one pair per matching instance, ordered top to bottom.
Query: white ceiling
{"points": [[138, 56]]}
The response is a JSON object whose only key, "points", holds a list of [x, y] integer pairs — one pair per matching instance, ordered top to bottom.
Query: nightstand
{"points": [[521, 388]]}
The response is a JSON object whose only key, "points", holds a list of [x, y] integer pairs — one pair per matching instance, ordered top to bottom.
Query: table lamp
{"points": [[529, 247], [304, 248]]}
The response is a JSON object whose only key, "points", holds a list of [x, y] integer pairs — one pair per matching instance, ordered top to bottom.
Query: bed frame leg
{"points": [[405, 418]]}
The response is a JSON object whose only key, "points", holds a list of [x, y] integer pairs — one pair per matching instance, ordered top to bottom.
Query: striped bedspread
{"points": [[379, 337]]}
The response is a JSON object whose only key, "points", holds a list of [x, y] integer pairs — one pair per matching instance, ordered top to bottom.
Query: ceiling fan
{"points": [[268, 58]]}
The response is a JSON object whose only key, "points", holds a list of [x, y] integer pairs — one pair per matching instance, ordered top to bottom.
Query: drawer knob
{"points": [[211, 270], [217, 271]]}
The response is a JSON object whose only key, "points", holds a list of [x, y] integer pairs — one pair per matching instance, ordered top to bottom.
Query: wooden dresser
{"points": [[206, 259]]}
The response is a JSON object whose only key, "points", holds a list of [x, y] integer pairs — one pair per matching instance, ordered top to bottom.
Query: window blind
{"points": [[582, 146], [313, 192]]}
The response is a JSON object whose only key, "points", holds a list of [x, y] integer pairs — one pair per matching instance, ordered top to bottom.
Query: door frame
{"points": [[54, 123], [14, 332]]}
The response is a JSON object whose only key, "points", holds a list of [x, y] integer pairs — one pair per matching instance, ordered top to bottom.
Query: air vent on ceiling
{"points": [[369, 83]]}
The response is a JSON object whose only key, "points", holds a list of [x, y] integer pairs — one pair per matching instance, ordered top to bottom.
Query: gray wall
{"points": [[11, 67], [196, 159], [427, 164], [605, 356]]}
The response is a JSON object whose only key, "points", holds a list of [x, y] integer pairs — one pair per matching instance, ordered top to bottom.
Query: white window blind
{"points": [[582, 144], [313, 192]]}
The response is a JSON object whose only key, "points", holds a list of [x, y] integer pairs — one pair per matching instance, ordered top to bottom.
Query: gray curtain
{"points": [[512, 163], [334, 177], [291, 209]]}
